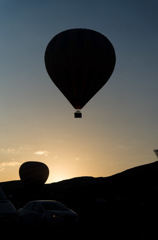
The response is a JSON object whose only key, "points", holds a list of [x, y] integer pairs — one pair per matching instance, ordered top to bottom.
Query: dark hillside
{"points": [[126, 200]]}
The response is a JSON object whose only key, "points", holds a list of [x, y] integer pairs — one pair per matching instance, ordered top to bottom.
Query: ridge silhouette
{"points": [[122, 205]]}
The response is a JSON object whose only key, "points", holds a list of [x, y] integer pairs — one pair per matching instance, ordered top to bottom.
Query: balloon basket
{"points": [[78, 114]]}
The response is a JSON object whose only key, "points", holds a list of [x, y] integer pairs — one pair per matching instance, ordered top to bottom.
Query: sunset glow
{"points": [[118, 129]]}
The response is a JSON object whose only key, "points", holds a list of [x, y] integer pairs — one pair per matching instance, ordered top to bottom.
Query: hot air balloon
{"points": [[79, 62], [33, 174]]}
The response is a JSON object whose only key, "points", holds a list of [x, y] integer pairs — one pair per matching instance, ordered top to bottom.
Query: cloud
{"points": [[12, 150], [44, 153], [10, 164], [3, 165]]}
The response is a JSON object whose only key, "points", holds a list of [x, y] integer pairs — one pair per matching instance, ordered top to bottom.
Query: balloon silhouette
{"points": [[79, 62], [33, 173]]}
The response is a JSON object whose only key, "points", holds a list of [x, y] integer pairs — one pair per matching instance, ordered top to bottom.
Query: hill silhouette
{"points": [[126, 200]]}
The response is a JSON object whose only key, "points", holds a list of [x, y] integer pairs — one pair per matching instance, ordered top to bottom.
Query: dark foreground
{"points": [[123, 206], [121, 230]]}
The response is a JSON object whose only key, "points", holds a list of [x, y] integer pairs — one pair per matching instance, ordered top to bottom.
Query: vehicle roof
{"points": [[41, 201], [48, 202]]}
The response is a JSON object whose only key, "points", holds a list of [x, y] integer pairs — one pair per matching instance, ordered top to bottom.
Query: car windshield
{"points": [[54, 206]]}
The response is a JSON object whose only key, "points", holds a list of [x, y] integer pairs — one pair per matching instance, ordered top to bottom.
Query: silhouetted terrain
{"points": [[123, 205]]}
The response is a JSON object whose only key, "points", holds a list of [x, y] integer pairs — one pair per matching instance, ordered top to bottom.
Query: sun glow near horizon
{"points": [[118, 129], [68, 159]]}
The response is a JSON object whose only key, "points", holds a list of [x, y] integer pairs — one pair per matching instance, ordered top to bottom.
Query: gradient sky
{"points": [[119, 128]]}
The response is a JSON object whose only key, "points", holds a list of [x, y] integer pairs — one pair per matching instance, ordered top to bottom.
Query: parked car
{"points": [[46, 213], [8, 214]]}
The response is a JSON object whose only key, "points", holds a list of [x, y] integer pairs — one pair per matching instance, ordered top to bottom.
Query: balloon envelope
{"points": [[79, 62], [33, 173]]}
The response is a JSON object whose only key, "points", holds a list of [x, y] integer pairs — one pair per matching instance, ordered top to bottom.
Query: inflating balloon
{"points": [[79, 62], [33, 173]]}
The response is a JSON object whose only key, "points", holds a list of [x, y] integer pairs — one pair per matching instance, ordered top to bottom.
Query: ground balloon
{"points": [[33, 173]]}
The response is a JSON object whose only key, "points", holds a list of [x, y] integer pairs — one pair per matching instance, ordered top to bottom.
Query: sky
{"points": [[119, 127]]}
